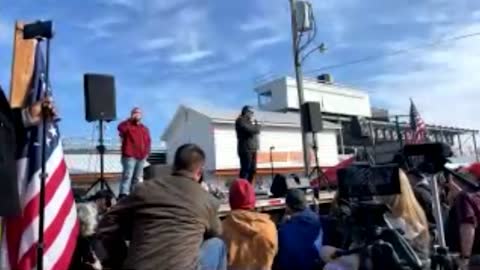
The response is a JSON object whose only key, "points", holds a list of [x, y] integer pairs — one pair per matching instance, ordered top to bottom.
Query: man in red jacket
{"points": [[135, 149]]}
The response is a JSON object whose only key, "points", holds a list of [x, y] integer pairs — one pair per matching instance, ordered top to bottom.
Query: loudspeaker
{"points": [[99, 97], [311, 117], [357, 129], [282, 184]]}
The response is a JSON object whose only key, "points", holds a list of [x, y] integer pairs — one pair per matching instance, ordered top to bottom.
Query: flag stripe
{"points": [[418, 127], [34, 190], [50, 190], [31, 232], [49, 235], [69, 248], [57, 249]]}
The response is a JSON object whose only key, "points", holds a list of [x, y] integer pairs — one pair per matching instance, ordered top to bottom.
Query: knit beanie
{"points": [[242, 195]]}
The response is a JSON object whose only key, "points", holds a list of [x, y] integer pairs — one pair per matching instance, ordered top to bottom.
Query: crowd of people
{"points": [[172, 222]]}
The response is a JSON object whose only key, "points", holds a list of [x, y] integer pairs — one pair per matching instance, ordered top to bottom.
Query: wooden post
{"points": [[22, 66]]}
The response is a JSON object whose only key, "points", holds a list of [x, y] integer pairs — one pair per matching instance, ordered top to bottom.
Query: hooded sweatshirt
{"points": [[296, 239], [251, 240]]}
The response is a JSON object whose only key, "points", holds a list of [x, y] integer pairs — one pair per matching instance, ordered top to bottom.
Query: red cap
{"points": [[474, 169], [242, 195]]}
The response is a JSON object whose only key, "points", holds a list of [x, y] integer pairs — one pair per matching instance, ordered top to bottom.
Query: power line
{"points": [[392, 53]]}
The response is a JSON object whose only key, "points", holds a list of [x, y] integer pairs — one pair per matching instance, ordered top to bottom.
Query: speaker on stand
{"points": [[100, 106], [312, 123], [358, 131]]}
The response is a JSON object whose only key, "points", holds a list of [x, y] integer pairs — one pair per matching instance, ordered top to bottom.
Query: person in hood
{"points": [[297, 235], [251, 237]]}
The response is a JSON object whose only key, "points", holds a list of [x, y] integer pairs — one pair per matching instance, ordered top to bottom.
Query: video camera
{"points": [[359, 186]]}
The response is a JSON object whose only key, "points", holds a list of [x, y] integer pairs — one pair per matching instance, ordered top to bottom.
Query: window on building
{"points": [[265, 98]]}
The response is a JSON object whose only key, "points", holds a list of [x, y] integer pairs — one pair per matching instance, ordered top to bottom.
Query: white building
{"points": [[281, 95], [214, 131]]}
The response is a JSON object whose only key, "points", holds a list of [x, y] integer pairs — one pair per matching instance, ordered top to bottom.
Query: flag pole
{"points": [[42, 31], [43, 174]]}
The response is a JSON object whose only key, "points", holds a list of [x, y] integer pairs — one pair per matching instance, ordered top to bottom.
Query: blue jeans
{"points": [[132, 174], [213, 255]]}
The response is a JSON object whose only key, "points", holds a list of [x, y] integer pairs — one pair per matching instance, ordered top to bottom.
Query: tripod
{"points": [[101, 150], [321, 176], [440, 257]]}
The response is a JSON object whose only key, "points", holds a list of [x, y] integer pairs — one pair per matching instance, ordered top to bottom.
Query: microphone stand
{"points": [[271, 162]]}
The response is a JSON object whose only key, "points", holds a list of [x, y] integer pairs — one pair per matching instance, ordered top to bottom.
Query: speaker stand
{"points": [[101, 150], [321, 176]]}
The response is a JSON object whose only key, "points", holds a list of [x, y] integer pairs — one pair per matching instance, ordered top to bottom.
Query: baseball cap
{"points": [[296, 199]]}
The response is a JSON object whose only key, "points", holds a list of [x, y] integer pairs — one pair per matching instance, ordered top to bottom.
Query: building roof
{"points": [[228, 116]]}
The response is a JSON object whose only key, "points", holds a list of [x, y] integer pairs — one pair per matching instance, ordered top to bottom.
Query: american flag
{"points": [[417, 125], [20, 234]]}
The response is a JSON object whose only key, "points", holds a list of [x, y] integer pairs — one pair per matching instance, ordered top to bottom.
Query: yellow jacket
{"points": [[251, 239]]}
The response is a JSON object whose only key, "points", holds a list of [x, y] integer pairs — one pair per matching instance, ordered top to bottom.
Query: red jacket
{"points": [[135, 139]]}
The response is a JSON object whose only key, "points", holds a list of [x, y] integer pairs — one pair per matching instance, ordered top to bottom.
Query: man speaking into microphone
{"points": [[247, 129]]}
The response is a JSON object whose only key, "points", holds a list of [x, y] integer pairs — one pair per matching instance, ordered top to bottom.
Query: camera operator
{"points": [[406, 215]]}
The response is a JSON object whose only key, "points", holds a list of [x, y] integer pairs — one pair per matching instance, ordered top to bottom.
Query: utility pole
{"points": [[299, 77]]}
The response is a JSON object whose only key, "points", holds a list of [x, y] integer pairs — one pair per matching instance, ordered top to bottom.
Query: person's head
{"points": [[247, 111], [136, 114], [190, 158], [474, 170], [241, 195], [103, 200], [295, 201], [406, 206], [87, 216]]}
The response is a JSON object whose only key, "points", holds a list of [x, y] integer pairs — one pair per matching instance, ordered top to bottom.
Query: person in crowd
{"points": [[13, 122], [247, 129], [136, 145], [103, 200], [405, 214], [171, 222], [462, 230], [297, 235], [251, 237], [84, 256]]}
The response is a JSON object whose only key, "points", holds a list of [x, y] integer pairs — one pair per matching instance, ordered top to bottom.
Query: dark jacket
{"points": [[247, 135], [11, 140], [136, 140], [166, 220], [295, 240]]}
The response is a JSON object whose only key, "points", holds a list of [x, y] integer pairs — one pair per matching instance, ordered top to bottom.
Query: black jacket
{"points": [[247, 135], [11, 137]]}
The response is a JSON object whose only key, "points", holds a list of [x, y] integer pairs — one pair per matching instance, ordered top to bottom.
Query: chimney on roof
{"points": [[325, 78]]}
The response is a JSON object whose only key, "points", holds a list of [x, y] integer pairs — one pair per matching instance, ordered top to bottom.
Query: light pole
{"points": [[298, 58], [299, 78]]}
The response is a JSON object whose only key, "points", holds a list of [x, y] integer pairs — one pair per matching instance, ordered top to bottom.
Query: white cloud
{"points": [[255, 24], [101, 27], [266, 41], [156, 44], [191, 56], [443, 81]]}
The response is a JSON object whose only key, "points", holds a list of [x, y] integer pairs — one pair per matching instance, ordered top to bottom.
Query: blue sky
{"points": [[210, 53]]}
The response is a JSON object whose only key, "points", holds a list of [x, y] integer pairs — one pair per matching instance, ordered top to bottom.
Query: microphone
{"points": [[272, 148]]}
